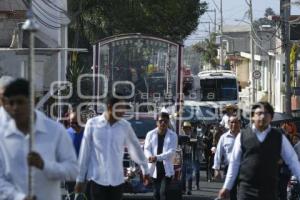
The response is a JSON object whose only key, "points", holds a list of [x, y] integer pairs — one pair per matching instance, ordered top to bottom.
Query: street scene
{"points": [[163, 100]]}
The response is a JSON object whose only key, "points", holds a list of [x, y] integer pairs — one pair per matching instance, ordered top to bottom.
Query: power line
{"points": [[216, 5], [55, 7], [44, 13], [50, 14], [46, 24]]}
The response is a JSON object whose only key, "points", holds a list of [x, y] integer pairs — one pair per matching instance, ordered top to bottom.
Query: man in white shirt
{"points": [[229, 110], [4, 116], [160, 147], [224, 149], [102, 150], [255, 157], [53, 159]]}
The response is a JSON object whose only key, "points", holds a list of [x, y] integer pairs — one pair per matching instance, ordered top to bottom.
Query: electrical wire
{"points": [[216, 5], [55, 7], [50, 14], [47, 17], [39, 19], [46, 24]]}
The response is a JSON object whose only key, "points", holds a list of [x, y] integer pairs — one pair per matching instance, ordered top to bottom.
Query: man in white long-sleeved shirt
{"points": [[4, 116], [160, 147], [224, 149], [102, 151], [255, 157], [53, 159]]}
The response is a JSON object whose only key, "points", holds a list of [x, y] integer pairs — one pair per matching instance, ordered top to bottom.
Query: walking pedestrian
{"points": [[229, 110], [4, 116], [75, 132], [160, 147], [224, 149], [102, 151], [255, 157], [53, 159], [187, 165]]}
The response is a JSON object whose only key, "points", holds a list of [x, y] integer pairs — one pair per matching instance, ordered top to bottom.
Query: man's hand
{"points": [[213, 150], [152, 159], [35, 160], [217, 174], [146, 179], [79, 187], [224, 193]]}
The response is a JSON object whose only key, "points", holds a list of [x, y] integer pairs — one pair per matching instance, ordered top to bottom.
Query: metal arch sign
{"points": [[256, 74]]}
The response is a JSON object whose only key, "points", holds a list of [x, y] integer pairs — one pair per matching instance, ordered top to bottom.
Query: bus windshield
{"points": [[219, 89]]}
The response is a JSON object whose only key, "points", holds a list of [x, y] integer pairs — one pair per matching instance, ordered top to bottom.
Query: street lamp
{"points": [[31, 26]]}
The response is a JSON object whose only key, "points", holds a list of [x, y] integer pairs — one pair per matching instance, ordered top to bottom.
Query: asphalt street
{"points": [[208, 191]]}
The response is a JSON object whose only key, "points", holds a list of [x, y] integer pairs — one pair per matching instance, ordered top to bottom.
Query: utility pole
{"points": [[285, 11], [215, 18], [31, 26], [208, 26], [221, 35], [252, 51]]}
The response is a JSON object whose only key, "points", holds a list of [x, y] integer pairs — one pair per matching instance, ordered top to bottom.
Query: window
{"points": [[219, 89]]}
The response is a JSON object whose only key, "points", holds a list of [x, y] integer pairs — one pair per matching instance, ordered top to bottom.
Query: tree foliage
{"points": [[96, 19], [264, 20], [208, 49]]}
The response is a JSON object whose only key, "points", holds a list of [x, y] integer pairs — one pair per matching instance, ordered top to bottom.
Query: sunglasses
{"points": [[163, 121]]}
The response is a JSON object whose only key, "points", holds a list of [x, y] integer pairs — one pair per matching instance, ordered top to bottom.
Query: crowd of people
{"points": [[95, 157], [257, 160]]}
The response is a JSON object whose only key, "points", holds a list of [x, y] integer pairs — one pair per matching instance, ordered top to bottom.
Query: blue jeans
{"points": [[196, 167], [187, 174]]}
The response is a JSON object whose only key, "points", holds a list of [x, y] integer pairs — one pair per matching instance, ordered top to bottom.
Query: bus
{"points": [[217, 86]]}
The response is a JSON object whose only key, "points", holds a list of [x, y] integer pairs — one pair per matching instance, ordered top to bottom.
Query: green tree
{"points": [[172, 19], [264, 20], [208, 49], [192, 59], [74, 70]]}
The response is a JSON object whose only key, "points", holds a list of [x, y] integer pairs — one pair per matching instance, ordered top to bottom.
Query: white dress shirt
{"points": [[4, 117], [54, 146], [224, 149], [297, 149], [102, 150], [287, 153], [167, 155]]}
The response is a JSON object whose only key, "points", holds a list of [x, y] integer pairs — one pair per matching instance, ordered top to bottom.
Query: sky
{"points": [[233, 10]]}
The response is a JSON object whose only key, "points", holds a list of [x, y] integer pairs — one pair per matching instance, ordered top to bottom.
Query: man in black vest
{"points": [[255, 157]]}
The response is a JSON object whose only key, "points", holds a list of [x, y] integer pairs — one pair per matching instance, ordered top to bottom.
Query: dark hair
{"points": [[17, 87], [112, 100], [266, 105], [163, 115]]}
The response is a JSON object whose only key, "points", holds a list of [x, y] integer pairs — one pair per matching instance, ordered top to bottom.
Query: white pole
{"points": [[31, 27], [221, 35], [253, 82]]}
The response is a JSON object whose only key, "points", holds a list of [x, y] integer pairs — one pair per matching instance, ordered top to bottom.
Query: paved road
{"points": [[208, 191]]}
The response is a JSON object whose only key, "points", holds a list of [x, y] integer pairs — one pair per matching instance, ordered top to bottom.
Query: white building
{"points": [[52, 34]]}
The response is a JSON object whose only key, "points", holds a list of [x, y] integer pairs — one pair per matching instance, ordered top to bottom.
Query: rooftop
{"points": [[236, 28]]}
